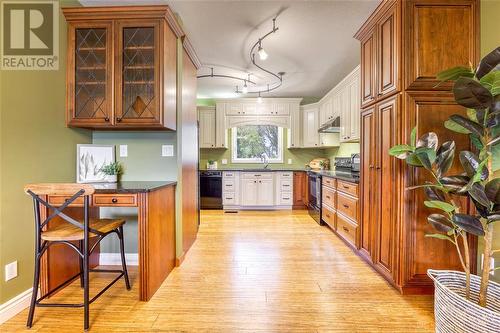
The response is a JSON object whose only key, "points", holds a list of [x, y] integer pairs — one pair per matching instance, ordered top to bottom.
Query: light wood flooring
{"points": [[250, 272]]}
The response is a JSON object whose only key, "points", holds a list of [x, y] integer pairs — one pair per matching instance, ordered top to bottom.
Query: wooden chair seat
{"points": [[69, 232]]}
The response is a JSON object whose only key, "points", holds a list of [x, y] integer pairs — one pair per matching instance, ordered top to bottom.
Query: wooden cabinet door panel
{"points": [[388, 35], [440, 35], [368, 70], [138, 73], [89, 89], [428, 113], [368, 182], [387, 187], [299, 191]]}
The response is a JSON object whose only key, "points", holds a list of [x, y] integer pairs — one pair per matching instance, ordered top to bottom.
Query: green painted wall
{"points": [[490, 39], [35, 147], [299, 157]]}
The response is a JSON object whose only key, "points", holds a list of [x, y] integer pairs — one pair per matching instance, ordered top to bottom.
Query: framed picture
{"points": [[89, 161]]}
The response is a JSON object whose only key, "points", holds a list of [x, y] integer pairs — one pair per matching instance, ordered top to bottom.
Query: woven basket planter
{"points": [[453, 313]]}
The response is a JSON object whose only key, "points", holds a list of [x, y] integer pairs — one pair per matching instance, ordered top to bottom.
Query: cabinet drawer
{"points": [[257, 175], [327, 181], [228, 185], [286, 185], [347, 187], [328, 197], [286, 198], [229, 199], [59, 200], [115, 200], [348, 206], [328, 215], [346, 229]]}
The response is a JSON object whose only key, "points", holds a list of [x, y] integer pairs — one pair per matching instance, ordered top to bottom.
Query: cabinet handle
{"points": [[379, 94], [106, 119], [118, 119], [222, 145], [371, 166], [378, 168], [257, 175], [285, 185], [346, 187], [328, 197], [229, 198], [286, 198], [114, 200], [345, 206], [327, 215], [345, 229]]}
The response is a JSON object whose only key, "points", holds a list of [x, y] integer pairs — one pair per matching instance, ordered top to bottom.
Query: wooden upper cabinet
{"points": [[388, 40], [432, 45], [368, 63], [122, 67], [137, 73], [90, 74]]}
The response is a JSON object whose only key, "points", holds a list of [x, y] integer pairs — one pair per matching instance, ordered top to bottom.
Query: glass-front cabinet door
{"points": [[90, 74], [137, 74]]}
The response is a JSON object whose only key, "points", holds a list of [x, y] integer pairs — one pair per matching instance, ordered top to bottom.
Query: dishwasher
{"points": [[211, 189]]}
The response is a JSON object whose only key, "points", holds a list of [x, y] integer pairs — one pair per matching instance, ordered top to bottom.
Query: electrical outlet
{"points": [[123, 150], [167, 150], [224, 161], [289, 161], [10, 271]]}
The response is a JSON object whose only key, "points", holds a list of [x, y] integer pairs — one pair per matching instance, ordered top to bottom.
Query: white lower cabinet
{"points": [[258, 190]]}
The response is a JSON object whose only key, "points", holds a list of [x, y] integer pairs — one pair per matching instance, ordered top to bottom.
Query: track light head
{"points": [[262, 53], [245, 88]]}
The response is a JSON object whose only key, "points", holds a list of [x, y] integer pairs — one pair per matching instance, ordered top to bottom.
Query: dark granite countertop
{"points": [[257, 169], [342, 175], [131, 186]]}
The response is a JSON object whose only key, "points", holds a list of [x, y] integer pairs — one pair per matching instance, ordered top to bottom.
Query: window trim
{"points": [[235, 159]]}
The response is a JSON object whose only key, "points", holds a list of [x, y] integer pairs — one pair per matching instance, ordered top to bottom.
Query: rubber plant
{"points": [[479, 91]]}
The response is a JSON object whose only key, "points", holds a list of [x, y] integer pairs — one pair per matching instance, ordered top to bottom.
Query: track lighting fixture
{"points": [[262, 53], [245, 88], [259, 99]]}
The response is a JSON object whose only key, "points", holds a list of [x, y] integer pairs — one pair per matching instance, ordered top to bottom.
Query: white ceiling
{"points": [[313, 46]]}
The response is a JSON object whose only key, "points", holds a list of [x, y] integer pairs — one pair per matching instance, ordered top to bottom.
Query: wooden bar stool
{"points": [[76, 235]]}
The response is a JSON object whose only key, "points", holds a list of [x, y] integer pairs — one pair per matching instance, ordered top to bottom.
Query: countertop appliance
{"points": [[315, 163], [347, 164], [211, 189], [314, 202]]}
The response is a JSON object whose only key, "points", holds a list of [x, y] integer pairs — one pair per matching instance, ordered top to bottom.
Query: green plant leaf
{"points": [[489, 62], [454, 73], [492, 82], [471, 94], [471, 114], [453, 126], [473, 127], [413, 136], [428, 140], [476, 141], [400, 151], [426, 156], [444, 157], [413, 160], [471, 165], [454, 184], [492, 190], [478, 193], [434, 194], [444, 206], [440, 222], [469, 223], [440, 236]]}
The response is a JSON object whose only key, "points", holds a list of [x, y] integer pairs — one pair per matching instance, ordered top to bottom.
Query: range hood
{"points": [[331, 126]]}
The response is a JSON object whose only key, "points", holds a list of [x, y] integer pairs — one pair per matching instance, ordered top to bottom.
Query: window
{"points": [[253, 142]]}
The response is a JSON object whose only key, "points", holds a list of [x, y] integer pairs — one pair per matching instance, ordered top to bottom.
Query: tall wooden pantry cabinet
{"points": [[404, 44]]}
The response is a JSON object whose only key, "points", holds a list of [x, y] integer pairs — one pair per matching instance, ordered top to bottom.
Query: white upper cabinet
{"points": [[355, 109], [206, 117], [220, 126], [310, 126]]}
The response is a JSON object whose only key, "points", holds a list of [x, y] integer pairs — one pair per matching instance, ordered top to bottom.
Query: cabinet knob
{"points": [[379, 94], [106, 119], [118, 119], [371, 166], [378, 168], [114, 200], [345, 229]]}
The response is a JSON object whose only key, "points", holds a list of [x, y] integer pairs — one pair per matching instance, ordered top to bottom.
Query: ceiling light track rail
{"points": [[263, 56]]}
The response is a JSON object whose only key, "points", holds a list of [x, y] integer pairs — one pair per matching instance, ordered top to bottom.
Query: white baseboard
{"points": [[114, 259], [15, 305]]}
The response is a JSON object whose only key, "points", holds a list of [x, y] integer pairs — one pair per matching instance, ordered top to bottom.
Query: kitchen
{"points": [[248, 177]]}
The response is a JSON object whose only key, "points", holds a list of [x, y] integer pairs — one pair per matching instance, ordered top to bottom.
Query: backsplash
{"points": [[345, 150]]}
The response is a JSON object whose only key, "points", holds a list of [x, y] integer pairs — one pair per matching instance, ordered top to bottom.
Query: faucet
{"points": [[265, 160]]}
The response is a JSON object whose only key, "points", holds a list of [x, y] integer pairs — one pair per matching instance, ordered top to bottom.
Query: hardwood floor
{"points": [[250, 272]]}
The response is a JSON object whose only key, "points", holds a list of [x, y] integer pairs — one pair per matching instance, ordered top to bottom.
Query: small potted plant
{"points": [[211, 165], [112, 171], [464, 302]]}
